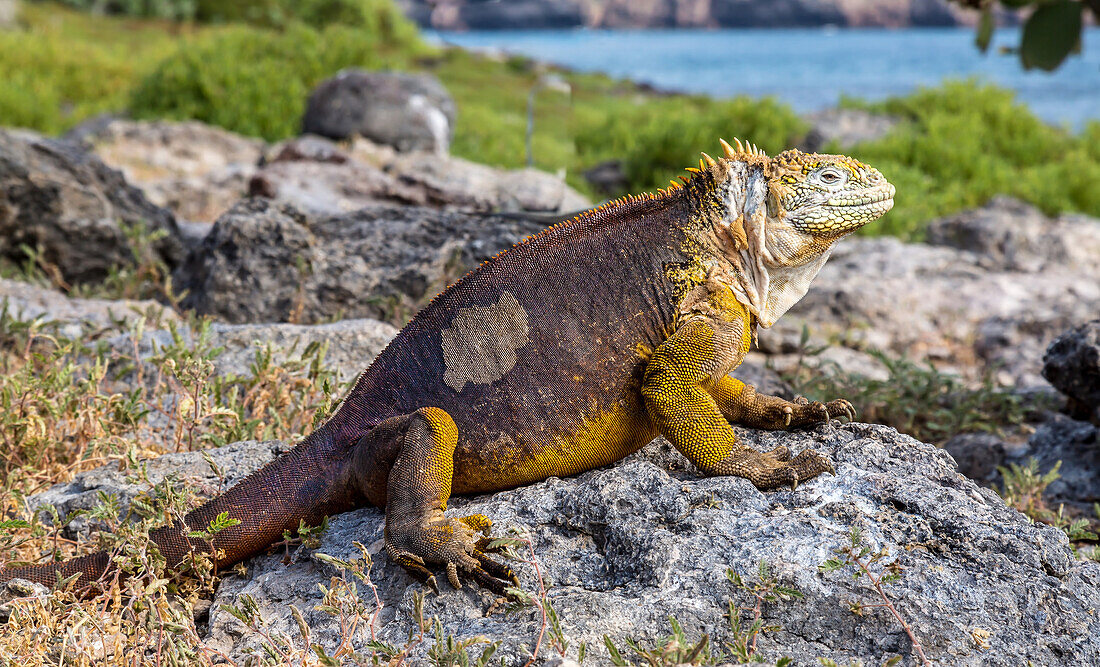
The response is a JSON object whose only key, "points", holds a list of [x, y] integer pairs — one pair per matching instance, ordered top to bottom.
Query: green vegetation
{"points": [[376, 16], [256, 82], [961, 143], [957, 145], [926, 403], [873, 566]]}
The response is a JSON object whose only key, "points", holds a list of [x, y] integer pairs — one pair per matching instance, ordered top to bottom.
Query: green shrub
{"points": [[178, 10], [379, 17], [50, 82], [256, 82], [658, 137], [961, 143]]}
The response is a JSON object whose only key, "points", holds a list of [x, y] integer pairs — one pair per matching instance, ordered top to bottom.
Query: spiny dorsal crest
{"points": [[741, 149], [738, 151]]}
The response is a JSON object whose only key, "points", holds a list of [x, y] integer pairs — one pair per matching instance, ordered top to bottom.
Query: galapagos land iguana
{"points": [[567, 352]]}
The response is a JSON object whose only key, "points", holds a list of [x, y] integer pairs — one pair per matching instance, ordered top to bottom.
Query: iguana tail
{"points": [[308, 483]]}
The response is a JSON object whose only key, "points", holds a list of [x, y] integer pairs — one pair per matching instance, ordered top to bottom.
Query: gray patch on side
{"points": [[480, 347]]}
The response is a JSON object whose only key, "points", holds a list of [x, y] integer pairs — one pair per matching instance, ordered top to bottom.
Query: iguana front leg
{"points": [[675, 387], [740, 403], [417, 531]]}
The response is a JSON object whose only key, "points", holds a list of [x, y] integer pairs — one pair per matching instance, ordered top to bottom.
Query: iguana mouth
{"points": [[865, 197]]}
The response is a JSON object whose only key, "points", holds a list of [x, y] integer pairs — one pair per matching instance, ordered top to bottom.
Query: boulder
{"points": [[9, 13], [406, 111], [845, 127], [195, 170], [608, 177], [454, 182], [326, 187], [74, 209], [1010, 235], [265, 262], [969, 306], [76, 318], [350, 345], [1072, 365], [1076, 445], [623, 548]]}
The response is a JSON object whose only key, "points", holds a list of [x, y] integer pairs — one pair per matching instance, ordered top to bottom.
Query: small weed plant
{"points": [[879, 571]]}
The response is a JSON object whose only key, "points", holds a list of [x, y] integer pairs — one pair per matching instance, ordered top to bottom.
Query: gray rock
{"points": [[9, 12], [406, 111], [846, 127], [195, 170], [608, 177], [322, 178], [454, 182], [330, 188], [71, 206], [1009, 235], [264, 262], [76, 318], [350, 345], [1072, 365], [756, 372], [1077, 445], [977, 455], [188, 469], [624, 547], [19, 589]]}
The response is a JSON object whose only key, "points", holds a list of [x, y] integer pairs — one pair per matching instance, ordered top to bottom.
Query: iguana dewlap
{"points": [[570, 351]]}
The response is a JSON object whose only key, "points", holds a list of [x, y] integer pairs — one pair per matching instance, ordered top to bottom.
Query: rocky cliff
{"points": [[556, 14]]}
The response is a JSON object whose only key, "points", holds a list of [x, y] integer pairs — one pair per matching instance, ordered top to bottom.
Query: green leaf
{"points": [[985, 29], [1051, 34], [616, 657]]}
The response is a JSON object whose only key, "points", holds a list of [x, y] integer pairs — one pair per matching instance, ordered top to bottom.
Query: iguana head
{"points": [[781, 216]]}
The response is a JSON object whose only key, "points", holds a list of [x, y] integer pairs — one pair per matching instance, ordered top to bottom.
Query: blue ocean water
{"points": [[810, 68]]}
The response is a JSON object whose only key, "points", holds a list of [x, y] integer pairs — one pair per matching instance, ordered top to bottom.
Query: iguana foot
{"points": [[804, 412], [766, 470], [417, 532], [459, 546]]}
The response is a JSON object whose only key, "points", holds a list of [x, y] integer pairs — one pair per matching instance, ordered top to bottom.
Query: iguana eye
{"points": [[830, 176]]}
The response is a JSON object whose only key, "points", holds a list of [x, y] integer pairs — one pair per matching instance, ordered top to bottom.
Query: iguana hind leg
{"points": [[676, 390], [417, 532]]}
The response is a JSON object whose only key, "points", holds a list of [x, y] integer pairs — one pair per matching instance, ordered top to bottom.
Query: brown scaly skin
{"points": [[568, 352]]}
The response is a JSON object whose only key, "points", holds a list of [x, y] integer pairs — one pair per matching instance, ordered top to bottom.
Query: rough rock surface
{"points": [[548, 14], [406, 111], [195, 170], [322, 178], [453, 181], [326, 187], [67, 203], [264, 262], [967, 305], [77, 317], [351, 345], [1072, 365], [1077, 445], [188, 468], [624, 547]]}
